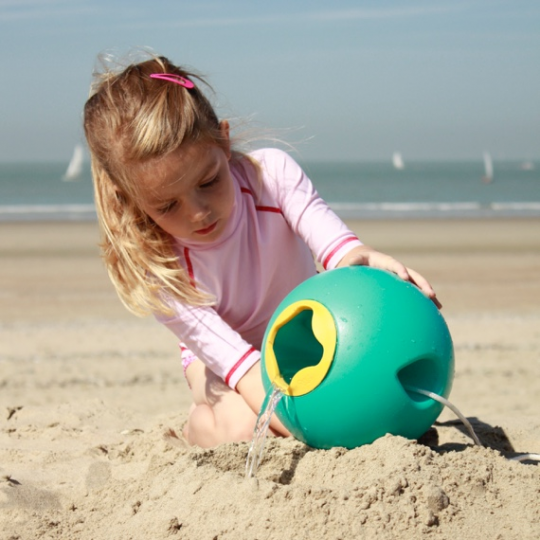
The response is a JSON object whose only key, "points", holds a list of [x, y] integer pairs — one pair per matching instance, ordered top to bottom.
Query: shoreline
{"points": [[356, 212], [355, 223], [473, 264]]}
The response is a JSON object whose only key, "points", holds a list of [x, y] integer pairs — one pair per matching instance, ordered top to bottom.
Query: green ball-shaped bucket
{"points": [[346, 347]]}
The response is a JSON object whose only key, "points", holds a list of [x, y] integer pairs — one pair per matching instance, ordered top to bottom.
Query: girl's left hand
{"points": [[367, 256]]}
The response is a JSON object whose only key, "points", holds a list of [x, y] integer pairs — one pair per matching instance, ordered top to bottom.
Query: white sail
{"points": [[397, 161], [527, 166], [75, 167], [488, 168]]}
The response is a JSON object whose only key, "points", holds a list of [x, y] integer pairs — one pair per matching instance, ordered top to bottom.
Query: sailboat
{"points": [[397, 161], [527, 166], [75, 167], [488, 168]]}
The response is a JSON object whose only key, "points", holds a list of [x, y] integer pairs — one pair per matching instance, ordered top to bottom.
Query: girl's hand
{"points": [[367, 256]]}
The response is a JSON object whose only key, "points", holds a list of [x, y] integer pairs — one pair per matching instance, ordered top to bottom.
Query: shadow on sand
{"points": [[493, 437]]}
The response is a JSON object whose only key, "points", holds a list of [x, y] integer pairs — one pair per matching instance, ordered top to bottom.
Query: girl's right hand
{"points": [[367, 256]]}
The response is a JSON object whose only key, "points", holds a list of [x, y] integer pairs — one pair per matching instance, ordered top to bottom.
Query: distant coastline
{"points": [[363, 190], [465, 210]]}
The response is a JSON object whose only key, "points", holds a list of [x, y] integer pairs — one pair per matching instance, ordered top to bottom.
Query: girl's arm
{"points": [[329, 239], [367, 256]]}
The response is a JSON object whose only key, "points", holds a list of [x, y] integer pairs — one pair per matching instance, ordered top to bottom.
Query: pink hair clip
{"points": [[171, 77]]}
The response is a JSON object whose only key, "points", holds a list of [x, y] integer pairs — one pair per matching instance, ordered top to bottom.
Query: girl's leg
{"points": [[218, 414]]}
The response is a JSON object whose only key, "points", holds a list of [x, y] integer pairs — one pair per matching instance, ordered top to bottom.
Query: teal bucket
{"points": [[346, 347]]}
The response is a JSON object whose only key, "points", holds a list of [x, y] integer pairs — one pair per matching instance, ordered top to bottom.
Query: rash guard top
{"points": [[278, 225]]}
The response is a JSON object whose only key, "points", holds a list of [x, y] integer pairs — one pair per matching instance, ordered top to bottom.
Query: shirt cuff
{"points": [[346, 245], [244, 364]]}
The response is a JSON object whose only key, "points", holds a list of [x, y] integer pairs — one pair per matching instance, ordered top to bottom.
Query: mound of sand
{"points": [[102, 473]]}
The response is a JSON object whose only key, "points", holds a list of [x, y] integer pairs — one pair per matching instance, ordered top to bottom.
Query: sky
{"points": [[347, 80]]}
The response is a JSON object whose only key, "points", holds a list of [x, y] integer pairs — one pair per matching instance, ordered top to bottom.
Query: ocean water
{"points": [[428, 189], [367, 190], [37, 191]]}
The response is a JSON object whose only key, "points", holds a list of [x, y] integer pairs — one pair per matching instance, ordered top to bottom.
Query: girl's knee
{"points": [[207, 427], [200, 428], [242, 431]]}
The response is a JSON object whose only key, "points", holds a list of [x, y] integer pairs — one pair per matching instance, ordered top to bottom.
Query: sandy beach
{"points": [[91, 396]]}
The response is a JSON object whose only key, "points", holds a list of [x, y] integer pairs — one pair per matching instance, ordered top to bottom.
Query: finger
{"points": [[399, 269], [421, 282], [424, 286]]}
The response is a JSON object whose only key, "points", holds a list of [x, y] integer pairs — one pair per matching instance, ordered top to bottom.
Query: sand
{"points": [[91, 396]]}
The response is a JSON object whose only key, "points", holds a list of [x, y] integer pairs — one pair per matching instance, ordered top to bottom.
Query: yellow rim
{"points": [[324, 329]]}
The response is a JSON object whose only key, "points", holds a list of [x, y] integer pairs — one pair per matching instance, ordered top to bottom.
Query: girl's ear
{"points": [[224, 129]]}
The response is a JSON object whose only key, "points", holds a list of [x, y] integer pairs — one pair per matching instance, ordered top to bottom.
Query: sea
{"points": [[363, 190]]}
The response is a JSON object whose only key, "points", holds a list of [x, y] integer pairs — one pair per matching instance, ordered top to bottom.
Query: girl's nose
{"points": [[197, 210]]}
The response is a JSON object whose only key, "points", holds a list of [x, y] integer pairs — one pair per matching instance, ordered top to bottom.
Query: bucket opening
{"points": [[295, 345], [299, 347], [421, 373]]}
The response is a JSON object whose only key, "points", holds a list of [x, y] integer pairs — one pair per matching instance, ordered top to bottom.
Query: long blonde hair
{"points": [[130, 119]]}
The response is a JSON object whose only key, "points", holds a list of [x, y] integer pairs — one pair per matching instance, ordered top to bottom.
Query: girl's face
{"points": [[189, 193]]}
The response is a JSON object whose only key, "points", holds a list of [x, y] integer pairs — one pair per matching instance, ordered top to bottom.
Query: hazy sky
{"points": [[340, 80]]}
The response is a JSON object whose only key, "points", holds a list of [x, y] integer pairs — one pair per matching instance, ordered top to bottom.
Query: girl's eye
{"points": [[210, 183], [167, 208]]}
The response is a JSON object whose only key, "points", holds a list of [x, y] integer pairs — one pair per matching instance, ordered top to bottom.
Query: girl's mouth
{"points": [[207, 230]]}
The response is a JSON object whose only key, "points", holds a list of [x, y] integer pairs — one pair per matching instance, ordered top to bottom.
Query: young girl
{"points": [[206, 238]]}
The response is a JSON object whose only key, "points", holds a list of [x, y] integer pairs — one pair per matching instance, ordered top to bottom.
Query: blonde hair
{"points": [[130, 119]]}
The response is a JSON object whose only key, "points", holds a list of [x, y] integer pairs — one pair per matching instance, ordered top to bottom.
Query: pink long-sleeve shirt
{"points": [[267, 248]]}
